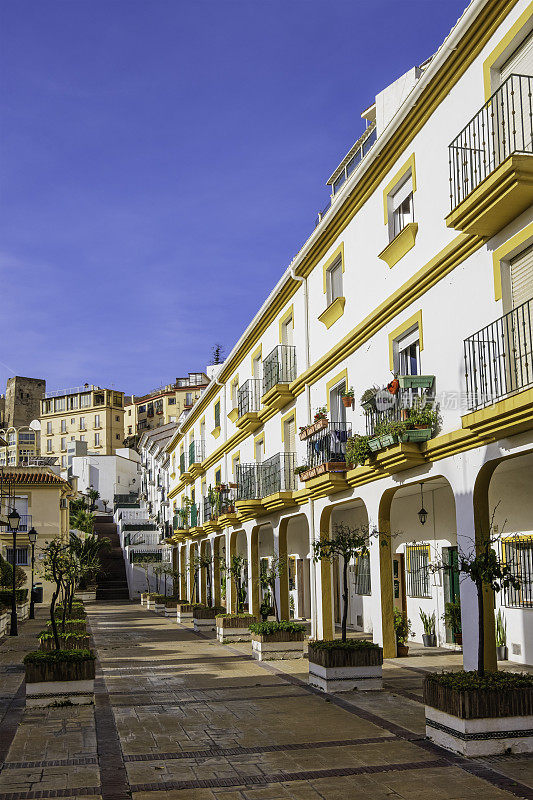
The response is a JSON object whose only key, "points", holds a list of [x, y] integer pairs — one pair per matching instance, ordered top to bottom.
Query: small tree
{"points": [[218, 353], [93, 495], [347, 543], [197, 563], [55, 566], [235, 569], [6, 575], [267, 579]]}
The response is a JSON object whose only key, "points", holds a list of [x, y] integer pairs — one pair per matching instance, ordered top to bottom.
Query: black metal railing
{"points": [[504, 125], [499, 357], [279, 366], [249, 396], [328, 444], [197, 451], [183, 462], [278, 474], [249, 481], [126, 501], [222, 501], [181, 520], [24, 525], [517, 553]]}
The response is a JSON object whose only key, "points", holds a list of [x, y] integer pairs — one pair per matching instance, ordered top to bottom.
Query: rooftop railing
{"points": [[503, 125], [499, 357]]}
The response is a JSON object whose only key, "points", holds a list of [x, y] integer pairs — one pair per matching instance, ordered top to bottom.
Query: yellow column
{"points": [[216, 571], [253, 572], [385, 573], [284, 578], [326, 589]]}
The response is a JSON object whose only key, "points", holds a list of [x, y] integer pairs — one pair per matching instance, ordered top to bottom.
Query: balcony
{"points": [[491, 161], [279, 370], [499, 374], [249, 405], [196, 457], [326, 458], [278, 481], [126, 500], [219, 508], [24, 525]]}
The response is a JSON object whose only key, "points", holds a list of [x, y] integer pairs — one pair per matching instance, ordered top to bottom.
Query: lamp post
{"points": [[13, 519], [32, 536]]}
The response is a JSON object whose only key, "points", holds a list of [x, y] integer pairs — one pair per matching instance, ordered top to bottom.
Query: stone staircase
{"points": [[113, 584]]}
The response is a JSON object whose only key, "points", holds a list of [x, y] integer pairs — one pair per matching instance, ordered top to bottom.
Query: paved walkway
{"points": [[180, 717]]}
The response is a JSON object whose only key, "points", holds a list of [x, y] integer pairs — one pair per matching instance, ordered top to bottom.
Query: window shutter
{"points": [[520, 62], [401, 193], [522, 277], [336, 281]]}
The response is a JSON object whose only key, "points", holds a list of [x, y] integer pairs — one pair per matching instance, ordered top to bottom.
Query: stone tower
{"points": [[23, 400]]}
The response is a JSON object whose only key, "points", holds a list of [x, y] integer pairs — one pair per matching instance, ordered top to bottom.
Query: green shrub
{"points": [[357, 450], [21, 595], [236, 616], [71, 621], [265, 628], [67, 635], [349, 644], [58, 656], [493, 681]]}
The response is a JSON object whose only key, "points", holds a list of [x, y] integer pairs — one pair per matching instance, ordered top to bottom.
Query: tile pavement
{"points": [[179, 715]]}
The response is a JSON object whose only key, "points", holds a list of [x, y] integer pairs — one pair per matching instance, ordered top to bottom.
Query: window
{"points": [[401, 207], [334, 281], [287, 331], [408, 353], [234, 392], [188, 398], [117, 399], [85, 400], [172, 401], [72, 402], [60, 404], [336, 406], [142, 409], [217, 414], [117, 419], [97, 420], [72, 421], [82, 423], [63, 426], [49, 428], [129, 430], [117, 436], [26, 438], [72, 438], [82, 438], [96, 439], [63, 442], [48, 445], [64, 462], [218, 477], [518, 555], [22, 556], [417, 558], [362, 574]]}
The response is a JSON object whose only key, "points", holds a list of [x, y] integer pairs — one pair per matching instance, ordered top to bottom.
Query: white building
{"points": [[421, 265], [119, 474]]}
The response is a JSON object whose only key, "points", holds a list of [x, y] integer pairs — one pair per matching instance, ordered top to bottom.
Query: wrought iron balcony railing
{"points": [[504, 125], [499, 357], [279, 366], [249, 396], [328, 444], [197, 451], [183, 462], [278, 474], [249, 482], [221, 502], [24, 525]]}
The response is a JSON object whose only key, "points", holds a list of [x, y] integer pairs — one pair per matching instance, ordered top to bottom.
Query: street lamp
{"points": [[13, 520], [32, 536]]}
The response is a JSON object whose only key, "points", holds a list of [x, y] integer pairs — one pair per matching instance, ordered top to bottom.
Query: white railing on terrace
{"points": [[73, 390], [127, 514], [142, 538]]}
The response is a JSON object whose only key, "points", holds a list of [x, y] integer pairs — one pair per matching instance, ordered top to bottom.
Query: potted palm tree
{"points": [[402, 628], [501, 636]]}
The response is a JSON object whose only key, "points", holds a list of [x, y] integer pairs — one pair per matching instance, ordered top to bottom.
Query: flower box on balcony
{"points": [[416, 381], [319, 425], [416, 435], [380, 442], [234, 627], [276, 641], [337, 666], [59, 677], [480, 716]]}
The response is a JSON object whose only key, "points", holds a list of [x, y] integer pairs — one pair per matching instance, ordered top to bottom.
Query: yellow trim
{"points": [[495, 54], [409, 165], [400, 245], [339, 251], [501, 252], [333, 312], [288, 313], [416, 319], [257, 352], [342, 376], [233, 415], [285, 418], [216, 432], [260, 439], [234, 457], [219, 470], [410, 547]]}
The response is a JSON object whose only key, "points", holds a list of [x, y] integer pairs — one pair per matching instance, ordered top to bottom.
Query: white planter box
{"points": [[87, 597], [143, 601], [150, 604], [159, 608], [23, 611], [170, 611], [183, 616], [4, 618], [203, 625], [233, 634], [277, 651], [345, 679], [49, 693], [480, 737]]}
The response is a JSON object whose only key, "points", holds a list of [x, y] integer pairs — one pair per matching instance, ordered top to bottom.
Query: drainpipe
{"points": [[224, 426]]}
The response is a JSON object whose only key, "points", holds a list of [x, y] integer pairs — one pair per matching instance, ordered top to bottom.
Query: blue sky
{"points": [[161, 161]]}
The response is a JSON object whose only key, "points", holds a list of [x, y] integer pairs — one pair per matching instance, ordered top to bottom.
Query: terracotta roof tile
{"points": [[33, 475]]}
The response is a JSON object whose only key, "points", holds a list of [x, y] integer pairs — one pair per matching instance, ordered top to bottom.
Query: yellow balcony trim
{"points": [[499, 198], [400, 245], [333, 312], [278, 397], [233, 415], [505, 418], [249, 422], [216, 432], [279, 501]]}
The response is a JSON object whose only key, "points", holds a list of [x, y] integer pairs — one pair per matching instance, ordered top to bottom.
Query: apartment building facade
{"points": [[416, 290], [162, 406], [88, 414], [22, 446]]}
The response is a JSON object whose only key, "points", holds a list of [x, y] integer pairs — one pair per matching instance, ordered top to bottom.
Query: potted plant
{"points": [[416, 381], [347, 397], [368, 398], [320, 420], [421, 423], [358, 450], [300, 471], [265, 609], [183, 612], [204, 617], [452, 618], [234, 627], [402, 628], [501, 636], [429, 637], [274, 641], [67, 675]]}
